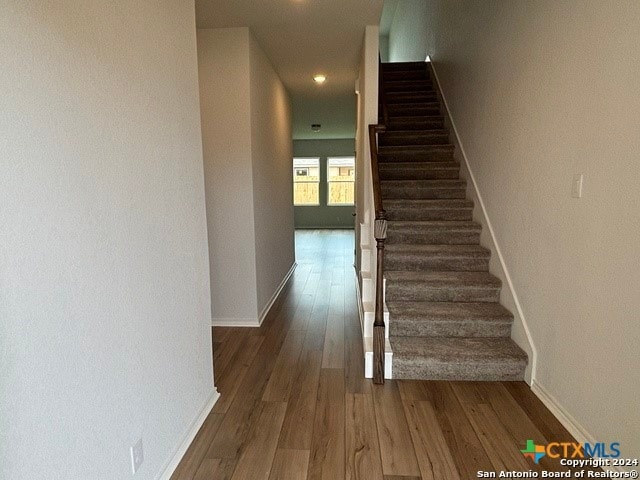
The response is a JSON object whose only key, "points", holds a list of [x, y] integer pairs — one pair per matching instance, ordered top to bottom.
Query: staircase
{"points": [[445, 319]]}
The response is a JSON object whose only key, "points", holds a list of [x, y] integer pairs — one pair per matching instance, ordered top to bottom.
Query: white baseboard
{"points": [[487, 222], [276, 294], [257, 321], [235, 322], [565, 418], [195, 426], [575, 428]]}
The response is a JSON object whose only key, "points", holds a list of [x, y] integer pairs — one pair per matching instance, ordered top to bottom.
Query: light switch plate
{"points": [[576, 186], [137, 456]]}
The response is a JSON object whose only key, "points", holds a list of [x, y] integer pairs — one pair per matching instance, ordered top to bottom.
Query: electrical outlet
{"points": [[576, 186], [137, 456]]}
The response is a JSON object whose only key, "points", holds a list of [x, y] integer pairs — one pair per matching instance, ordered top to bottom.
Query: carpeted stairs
{"points": [[446, 321]]}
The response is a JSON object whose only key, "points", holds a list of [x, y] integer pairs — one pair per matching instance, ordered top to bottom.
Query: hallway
{"points": [[294, 403]]}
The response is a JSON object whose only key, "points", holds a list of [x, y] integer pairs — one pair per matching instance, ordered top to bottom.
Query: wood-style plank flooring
{"points": [[294, 403]]}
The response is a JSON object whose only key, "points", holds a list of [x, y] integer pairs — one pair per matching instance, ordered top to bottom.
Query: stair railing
{"points": [[380, 234]]}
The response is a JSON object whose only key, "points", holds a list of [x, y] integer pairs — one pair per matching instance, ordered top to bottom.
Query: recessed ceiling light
{"points": [[319, 78]]}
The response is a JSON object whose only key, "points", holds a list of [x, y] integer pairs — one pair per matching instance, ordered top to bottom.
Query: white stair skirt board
{"points": [[365, 232], [365, 261], [368, 291], [368, 308], [369, 315], [367, 341], [368, 358], [188, 437]]}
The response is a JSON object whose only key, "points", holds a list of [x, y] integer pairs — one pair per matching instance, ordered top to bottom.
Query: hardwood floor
{"points": [[295, 405]]}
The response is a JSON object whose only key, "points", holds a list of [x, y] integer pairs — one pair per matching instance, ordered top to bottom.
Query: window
{"points": [[306, 179], [341, 180]]}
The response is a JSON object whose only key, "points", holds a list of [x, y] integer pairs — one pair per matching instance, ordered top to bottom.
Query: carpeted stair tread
{"points": [[402, 66], [406, 75], [416, 85], [425, 96], [413, 109], [420, 122], [432, 131], [404, 138], [414, 148], [427, 153], [419, 170], [427, 183], [424, 189], [429, 210], [435, 225], [434, 232], [436, 257], [444, 278], [442, 286], [449, 319], [457, 358]]}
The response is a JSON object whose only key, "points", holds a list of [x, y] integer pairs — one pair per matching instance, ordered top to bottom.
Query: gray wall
{"points": [[407, 39], [246, 135], [272, 176], [324, 216], [105, 333]]}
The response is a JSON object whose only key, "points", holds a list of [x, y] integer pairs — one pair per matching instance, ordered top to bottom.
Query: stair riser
{"points": [[401, 66], [399, 75], [408, 87], [410, 97], [404, 110], [409, 123], [389, 140], [433, 156], [418, 174], [416, 193], [421, 214], [437, 237], [416, 262], [424, 292], [400, 327], [486, 371]]}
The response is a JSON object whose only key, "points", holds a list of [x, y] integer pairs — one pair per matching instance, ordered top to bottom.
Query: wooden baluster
{"points": [[380, 234]]}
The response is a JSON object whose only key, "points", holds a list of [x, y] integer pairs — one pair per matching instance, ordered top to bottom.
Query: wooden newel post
{"points": [[380, 234]]}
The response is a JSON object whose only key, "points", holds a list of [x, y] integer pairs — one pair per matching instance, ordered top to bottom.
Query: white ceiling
{"points": [[302, 38]]}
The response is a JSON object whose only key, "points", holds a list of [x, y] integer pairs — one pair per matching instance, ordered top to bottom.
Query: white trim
{"points": [[485, 214], [276, 294], [360, 307], [235, 322], [255, 322], [367, 343], [565, 418], [575, 428], [193, 429]]}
